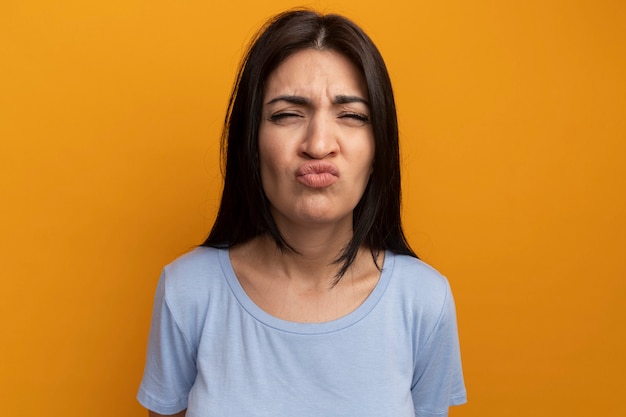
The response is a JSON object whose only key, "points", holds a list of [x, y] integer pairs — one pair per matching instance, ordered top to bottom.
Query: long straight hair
{"points": [[244, 211]]}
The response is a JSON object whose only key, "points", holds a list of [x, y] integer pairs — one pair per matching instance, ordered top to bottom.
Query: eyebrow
{"points": [[350, 99], [303, 101]]}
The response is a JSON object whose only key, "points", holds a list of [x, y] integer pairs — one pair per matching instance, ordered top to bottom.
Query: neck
{"points": [[316, 246], [311, 263], [301, 286]]}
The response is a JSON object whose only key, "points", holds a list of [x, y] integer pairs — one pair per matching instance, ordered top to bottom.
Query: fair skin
{"points": [[316, 148]]}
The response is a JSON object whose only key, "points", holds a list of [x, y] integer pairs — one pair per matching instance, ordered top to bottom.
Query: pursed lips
{"points": [[317, 174]]}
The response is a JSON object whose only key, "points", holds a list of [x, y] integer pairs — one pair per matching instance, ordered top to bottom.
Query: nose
{"points": [[320, 139]]}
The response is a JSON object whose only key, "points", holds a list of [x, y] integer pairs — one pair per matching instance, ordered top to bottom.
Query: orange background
{"points": [[513, 123]]}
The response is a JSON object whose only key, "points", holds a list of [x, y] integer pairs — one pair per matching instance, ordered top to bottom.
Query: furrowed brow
{"points": [[290, 99]]}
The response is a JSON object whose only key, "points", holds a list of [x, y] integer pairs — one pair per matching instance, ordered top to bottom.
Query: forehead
{"points": [[311, 72]]}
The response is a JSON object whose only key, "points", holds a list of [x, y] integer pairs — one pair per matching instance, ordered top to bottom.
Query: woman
{"points": [[305, 299]]}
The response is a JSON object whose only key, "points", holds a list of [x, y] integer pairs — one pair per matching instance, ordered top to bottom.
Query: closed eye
{"points": [[282, 117], [355, 118]]}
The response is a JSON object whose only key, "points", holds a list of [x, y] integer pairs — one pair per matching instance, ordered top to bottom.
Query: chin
{"points": [[314, 212], [324, 217], [314, 218]]}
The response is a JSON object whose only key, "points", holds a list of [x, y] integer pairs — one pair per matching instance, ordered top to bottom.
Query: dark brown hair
{"points": [[245, 210]]}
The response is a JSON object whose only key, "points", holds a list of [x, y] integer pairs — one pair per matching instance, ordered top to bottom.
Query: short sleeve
{"points": [[170, 369], [438, 378]]}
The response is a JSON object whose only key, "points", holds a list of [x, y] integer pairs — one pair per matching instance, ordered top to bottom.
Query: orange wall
{"points": [[513, 119]]}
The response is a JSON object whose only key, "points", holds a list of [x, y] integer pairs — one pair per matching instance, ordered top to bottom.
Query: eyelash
{"points": [[280, 116], [357, 116]]}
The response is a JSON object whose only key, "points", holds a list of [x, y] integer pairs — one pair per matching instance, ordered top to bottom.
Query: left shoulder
{"points": [[416, 273], [418, 283]]}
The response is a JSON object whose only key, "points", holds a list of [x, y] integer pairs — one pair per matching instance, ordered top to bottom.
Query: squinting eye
{"points": [[282, 116], [356, 116]]}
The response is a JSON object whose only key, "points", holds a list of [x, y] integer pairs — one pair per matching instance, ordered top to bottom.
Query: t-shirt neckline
{"points": [[306, 328]]}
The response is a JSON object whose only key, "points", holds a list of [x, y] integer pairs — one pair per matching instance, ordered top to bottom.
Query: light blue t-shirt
{"points": [[213, 351]]}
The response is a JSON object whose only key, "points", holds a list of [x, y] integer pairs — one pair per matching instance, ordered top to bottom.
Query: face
{"points": [[316, 144]]}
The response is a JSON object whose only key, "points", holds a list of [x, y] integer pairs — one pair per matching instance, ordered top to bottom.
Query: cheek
{"points": [[367, 154], [270, 163], [269, 173]]}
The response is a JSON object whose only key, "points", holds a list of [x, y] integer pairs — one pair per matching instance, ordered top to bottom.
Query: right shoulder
{"points": [[194, 266], [190, 281]]}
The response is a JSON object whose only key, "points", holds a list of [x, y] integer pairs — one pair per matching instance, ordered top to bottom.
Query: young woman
{"points": [[306, 299]]}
